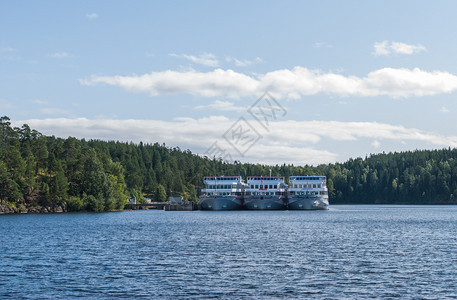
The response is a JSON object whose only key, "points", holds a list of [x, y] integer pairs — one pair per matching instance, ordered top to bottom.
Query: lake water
{"points": [[346, 252]]}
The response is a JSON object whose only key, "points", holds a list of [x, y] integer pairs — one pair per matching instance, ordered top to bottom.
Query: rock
{"points": [[58, 209], [34, 210]]}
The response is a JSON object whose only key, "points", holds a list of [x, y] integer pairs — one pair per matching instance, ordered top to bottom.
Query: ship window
{"points": [[319, 185], [252, 186], [256, 186], [261, 186], [271, 186], [314, 186]]}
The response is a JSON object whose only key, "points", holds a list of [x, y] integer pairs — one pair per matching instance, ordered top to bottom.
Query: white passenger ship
{"points": [[222, 193], [265, 193], [308, 193]]}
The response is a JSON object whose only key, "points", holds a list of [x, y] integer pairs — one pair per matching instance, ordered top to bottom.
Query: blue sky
{"points": [[350, 77]]}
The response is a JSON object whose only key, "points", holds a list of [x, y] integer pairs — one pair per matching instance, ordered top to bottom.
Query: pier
{"points": [[167, 206]]}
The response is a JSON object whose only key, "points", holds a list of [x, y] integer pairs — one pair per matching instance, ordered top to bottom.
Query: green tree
{"points": [[161, 194]]}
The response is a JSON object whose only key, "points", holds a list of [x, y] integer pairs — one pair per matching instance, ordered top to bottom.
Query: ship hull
{"points": [[221, 203], [264, 203], [308, 203]]}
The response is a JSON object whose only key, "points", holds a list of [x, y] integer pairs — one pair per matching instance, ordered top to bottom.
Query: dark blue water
{"points": [[348, 252]]}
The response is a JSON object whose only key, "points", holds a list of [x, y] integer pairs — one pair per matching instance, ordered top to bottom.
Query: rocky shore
{"points": [[6, 209]]}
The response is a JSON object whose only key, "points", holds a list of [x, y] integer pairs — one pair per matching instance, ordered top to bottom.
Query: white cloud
{"points": [[92, 16], [322, 45], [381, 48], [387, 48], [403, 48], [60, 55], [206, 59], [243, 63], [292, 83], [38, 101], [223, 106], [444, 109], [287, 141], [376, 144]]}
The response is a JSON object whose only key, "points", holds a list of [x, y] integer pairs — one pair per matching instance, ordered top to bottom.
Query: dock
{"points": [[167, 206]]}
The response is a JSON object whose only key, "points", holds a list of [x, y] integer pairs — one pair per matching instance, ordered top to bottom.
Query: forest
{"points": [[95, 175]]}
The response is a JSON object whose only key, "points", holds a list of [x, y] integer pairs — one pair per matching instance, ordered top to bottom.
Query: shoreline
{"points": [[8, 210]]}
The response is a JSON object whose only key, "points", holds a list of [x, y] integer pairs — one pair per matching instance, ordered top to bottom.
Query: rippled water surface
{"points": [[348, 252]]}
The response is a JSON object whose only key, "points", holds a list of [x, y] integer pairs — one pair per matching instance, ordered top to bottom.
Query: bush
{"points": [[74, 203]]}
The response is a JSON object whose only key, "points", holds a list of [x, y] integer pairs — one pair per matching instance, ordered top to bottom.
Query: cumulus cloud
{"points": [[92, 16], [387, 48], [206, 59], [244, 62], [292, 83], [222, 106], [288, 141]]}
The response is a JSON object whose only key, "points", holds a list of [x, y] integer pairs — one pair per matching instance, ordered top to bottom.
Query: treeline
{"points": [[49, 171], [100, 176]]}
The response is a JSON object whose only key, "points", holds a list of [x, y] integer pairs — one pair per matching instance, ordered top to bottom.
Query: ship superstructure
{"points": [[222, 193], [265, 193], [308, 193]]}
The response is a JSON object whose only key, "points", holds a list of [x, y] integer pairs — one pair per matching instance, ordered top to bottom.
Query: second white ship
{"points": [[265, 193]]}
